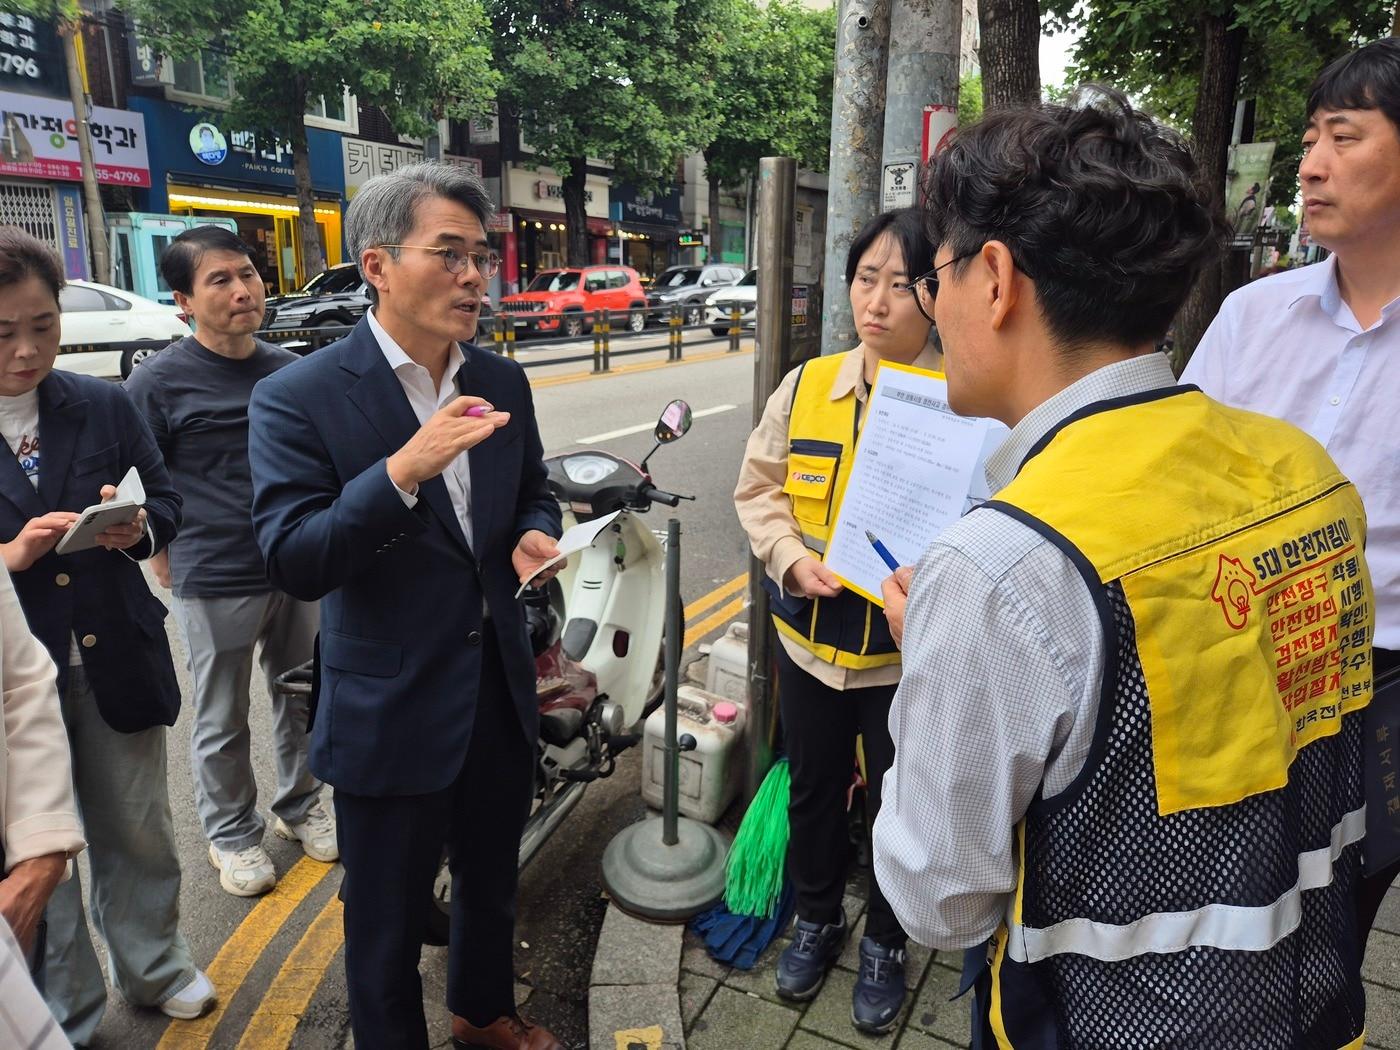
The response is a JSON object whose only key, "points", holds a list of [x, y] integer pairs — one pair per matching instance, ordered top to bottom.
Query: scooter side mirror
{"points": [[674, 422]]}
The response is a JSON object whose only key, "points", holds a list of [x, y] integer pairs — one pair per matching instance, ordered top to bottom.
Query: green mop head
{"points": [[753, 879]]}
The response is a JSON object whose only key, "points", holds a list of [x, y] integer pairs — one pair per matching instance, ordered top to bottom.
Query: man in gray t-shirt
{"points": [[194, 395]]}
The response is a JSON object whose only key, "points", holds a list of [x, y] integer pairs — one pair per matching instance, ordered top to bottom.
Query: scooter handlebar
{"points": [[656, 495]]}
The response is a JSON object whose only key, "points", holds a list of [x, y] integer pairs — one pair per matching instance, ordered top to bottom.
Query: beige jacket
{"points": [[765, 511], [38, 814]]}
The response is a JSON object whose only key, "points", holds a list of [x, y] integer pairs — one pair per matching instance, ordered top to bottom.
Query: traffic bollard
{"points": [[606, 316], [508, 323], [733, 329], [597, 340], [673, 346]]}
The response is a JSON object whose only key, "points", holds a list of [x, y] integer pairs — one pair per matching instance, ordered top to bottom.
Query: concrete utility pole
{"points": [[925, 43], [857, 137], [92, 200], [775, 233]]}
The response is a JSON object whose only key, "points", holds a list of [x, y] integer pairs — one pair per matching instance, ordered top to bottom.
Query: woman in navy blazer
{"points": [[71, 439]]}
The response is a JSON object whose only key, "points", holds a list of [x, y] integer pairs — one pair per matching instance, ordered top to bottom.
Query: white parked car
{"points": [[744, 295], [94, 314]]}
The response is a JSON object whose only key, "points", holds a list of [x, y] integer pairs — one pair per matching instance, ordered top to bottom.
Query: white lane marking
{"points": [[593, 439]]}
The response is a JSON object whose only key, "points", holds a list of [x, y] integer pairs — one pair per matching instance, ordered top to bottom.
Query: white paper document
{"points": [[918, 467], [121, 509], [576, 538]]}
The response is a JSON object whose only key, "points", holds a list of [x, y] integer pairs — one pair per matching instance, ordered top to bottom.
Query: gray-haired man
{"points": [[412, 522]]}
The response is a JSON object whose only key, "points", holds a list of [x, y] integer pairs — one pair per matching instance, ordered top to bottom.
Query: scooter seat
{"points": [[560, 726]]}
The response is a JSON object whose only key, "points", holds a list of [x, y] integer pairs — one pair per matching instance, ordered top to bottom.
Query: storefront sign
{"points": [[31, 59], [484, 131], [39, 140], [207, 143], [364, 160], [542, 190], [554, 191], [651, 209], [500, 222], [70, 232]]}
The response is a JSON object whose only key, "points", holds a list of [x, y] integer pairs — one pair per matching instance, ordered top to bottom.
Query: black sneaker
{"points": [[814, 950], [879, 991]]}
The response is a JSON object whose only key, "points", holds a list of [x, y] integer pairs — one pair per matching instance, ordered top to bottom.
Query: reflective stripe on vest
{"points": [[847, 630], [1193, 886]]}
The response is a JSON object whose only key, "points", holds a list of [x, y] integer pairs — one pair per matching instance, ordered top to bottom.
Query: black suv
{"points": [[690, 286], [335, 297]]}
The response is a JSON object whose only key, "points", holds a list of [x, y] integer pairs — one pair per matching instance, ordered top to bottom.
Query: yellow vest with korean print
{"points": [[847, 630], [1199, 871]]}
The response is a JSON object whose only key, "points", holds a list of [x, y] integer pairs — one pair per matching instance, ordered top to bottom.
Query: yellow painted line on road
{"points": [[622, 370], [716, 596], [716, 619], [242, 950], [284, 1003]]}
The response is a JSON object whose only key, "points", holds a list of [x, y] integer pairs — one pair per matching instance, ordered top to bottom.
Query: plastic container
{"points": [[727, 671], [711, 775]]}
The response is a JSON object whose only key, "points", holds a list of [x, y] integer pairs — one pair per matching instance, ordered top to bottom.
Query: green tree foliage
{"points": [[416, 61], [630, 82], [969, 99]]}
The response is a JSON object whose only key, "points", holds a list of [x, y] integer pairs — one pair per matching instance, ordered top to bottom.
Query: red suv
{"points": [[576, 293]]}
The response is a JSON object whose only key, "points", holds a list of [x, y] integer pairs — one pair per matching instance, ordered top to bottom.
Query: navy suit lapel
{"points": [[380, 397], [60, 420], [16, 487]]}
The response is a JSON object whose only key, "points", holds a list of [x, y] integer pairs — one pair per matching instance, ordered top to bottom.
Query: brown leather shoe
{"points": [[504, 1033]]}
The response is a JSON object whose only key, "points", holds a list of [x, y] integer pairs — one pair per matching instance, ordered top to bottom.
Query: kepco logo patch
{"points": [[808, 479]]}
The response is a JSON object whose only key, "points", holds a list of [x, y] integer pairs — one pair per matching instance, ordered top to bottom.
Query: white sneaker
{"points": [[316, 834], [246, 872], [194, 1000]]}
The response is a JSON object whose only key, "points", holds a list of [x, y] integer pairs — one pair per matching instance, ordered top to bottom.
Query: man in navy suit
{"points": [[412, 522]]}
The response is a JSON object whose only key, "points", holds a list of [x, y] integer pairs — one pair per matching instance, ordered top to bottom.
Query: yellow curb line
{"points": [[620, 370], [716, 596], [716, 619], [242, 950], [284, 1003]]}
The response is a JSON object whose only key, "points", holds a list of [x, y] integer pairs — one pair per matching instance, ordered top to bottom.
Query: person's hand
{"points": [[446, 435], [38, 537], [120, 537], [534, 549], [160, 568], [811, 579], [895, 591], [25, 891]]}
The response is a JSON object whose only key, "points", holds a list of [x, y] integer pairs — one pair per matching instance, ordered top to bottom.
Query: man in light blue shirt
{"points": [[1320, 346]]}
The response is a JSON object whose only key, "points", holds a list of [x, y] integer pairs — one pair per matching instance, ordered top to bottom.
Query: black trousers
{"points": [[820, 725], [391, 848], [1372, 890]]}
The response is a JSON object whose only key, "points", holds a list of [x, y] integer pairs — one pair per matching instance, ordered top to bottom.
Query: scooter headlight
{"points": [[588, 470]]}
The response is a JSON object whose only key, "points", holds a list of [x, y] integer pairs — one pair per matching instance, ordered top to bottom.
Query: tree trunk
{"points": [[1395, 22], [1009, 53], [1210, 136], [576, 212], [712, 213], [313, 260]]}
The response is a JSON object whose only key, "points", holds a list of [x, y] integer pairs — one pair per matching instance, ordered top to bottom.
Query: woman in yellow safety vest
{"points": [[837, 666]]}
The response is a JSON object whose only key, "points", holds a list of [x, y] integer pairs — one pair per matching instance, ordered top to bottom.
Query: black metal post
{"points": [[670, 797]]}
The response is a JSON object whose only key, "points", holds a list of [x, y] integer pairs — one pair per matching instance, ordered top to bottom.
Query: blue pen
{"points": [[882, 551]]}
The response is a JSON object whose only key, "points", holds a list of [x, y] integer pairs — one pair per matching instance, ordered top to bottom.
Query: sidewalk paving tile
{"points": [[631, 951], [696, 959], [1382, 964], [759, 980], [695, 991], [613, 1008], [830, 1013], [934, 1015], [734, 1020], [913, 1039], [804, 1040]]}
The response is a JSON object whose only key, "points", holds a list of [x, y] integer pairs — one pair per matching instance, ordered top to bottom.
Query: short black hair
{"points": [[1368, 78], [1102, 207], [906, 226], [22, 256], [180, 260]]}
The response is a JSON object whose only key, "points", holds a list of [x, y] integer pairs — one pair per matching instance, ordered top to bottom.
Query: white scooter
{"points": [[598, 631]]}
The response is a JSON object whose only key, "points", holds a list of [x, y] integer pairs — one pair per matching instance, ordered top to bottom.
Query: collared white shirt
{"points": [[1288, 346], [417, 383]]}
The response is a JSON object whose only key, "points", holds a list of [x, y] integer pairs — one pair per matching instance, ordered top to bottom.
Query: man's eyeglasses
{"points": [[487, 265], [926, 285]]}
